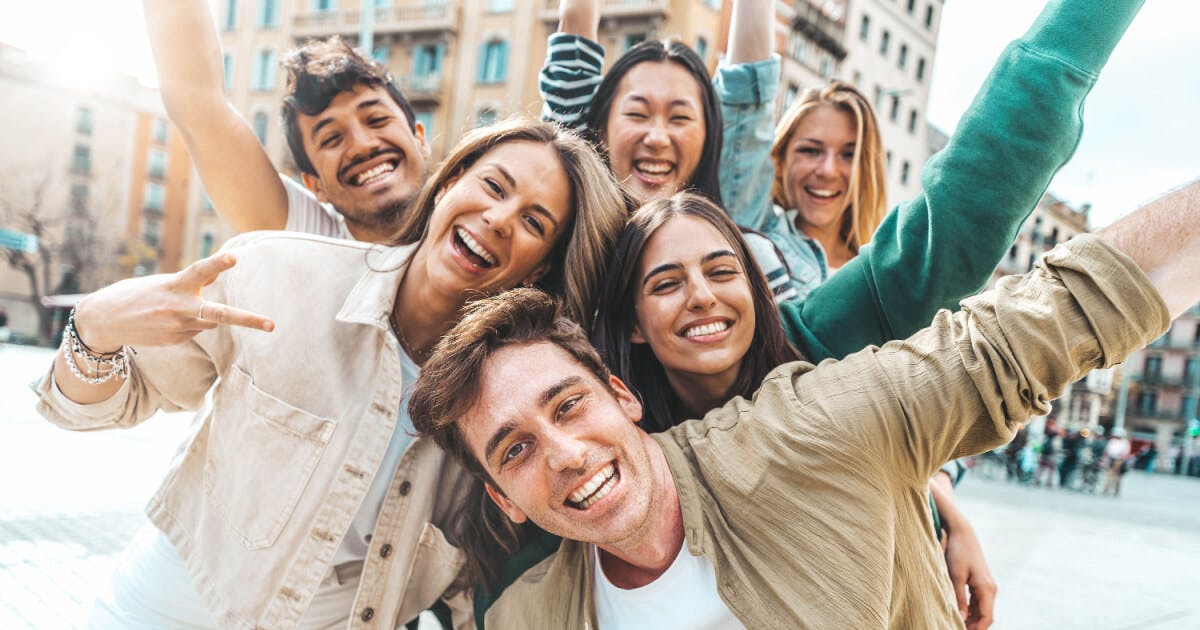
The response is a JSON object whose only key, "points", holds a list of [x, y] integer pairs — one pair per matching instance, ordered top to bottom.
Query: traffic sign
{"points": [[11, 239]]}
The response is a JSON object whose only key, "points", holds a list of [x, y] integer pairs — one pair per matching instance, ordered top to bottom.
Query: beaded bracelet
{"points": [[116, 362]]}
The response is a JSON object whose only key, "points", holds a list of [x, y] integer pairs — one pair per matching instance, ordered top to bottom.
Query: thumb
{"points": [[202, 272], [960, 594]]}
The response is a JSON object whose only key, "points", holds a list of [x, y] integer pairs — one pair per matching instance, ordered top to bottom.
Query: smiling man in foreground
{"points": [[804, 507]]}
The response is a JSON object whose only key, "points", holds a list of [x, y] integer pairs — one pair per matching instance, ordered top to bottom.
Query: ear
{"points": [[422, 141], [313, 183], [447, 185], [636, 335], [629, 403], [508, 507]]}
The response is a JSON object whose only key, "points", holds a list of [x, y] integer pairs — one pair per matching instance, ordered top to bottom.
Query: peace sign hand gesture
{"points": [[160, 310]]}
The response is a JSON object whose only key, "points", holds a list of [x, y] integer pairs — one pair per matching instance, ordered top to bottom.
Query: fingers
{"points": [[202, 272], [229, 316], [960, 593], [983, 603]]}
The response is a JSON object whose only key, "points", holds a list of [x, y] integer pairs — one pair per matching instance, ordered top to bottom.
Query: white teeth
{"points": [[654, 168], [372, 174], [821, 193], [475, 247], [706, 329], [596, 488]]}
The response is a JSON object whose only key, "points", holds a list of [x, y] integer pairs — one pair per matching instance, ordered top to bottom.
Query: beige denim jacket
{"points": [[261, 496]]}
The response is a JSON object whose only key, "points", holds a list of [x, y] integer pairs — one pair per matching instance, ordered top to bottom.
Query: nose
{"points": [[656, 136], [360, 140], [828, 164], [499, 217], [700, 295], [564, 451]]}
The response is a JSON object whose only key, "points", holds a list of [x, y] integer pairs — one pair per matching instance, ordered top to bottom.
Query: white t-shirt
{"points": [[306, 214], [685, 597]]}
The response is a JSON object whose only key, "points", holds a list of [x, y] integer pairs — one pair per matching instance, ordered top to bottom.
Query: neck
{"points": [[372, 232], [837, 250], [421, 314], [701, 393], [646, 555]]}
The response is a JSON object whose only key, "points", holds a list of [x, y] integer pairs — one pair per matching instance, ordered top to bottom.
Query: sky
{"points": [[1141, 128]]}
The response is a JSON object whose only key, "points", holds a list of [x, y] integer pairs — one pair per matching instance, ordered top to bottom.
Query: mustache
{"points": [[367, 158]]}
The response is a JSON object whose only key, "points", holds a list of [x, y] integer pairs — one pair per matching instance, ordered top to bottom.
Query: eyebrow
{"points": [[646, 101], [371, 102], [822, 143], [504, 172], [711, 256], [508, 427]]}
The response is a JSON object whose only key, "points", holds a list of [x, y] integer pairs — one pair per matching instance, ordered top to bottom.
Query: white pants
{"points": [[151, 589]]}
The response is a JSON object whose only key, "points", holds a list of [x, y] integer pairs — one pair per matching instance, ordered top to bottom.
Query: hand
{"points": [[159, 310], [969, 570]]}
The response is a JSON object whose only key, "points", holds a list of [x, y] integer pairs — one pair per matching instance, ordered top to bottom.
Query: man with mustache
{"points": [[350, 130], [801, 508]]}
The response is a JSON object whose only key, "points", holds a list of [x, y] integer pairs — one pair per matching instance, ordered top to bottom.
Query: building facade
{"points": [[91, 162]]}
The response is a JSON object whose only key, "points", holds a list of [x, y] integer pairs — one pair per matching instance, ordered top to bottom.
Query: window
{"points": [[324, 5], [500, 6], [911, 6], [268, 13], [230, 14], [929, 16], [864, 28], [633, 39], [884, 42], [702, 47], [799, 47], [380, 54], [427, 59], [227, 60], [903, 60], [493, 62], [826, 66], [921, 69], [264, 71], [858, 79], [790, 95], [878, 97], [895, 111], [486, 116], [913, 116], [426, 120], [83, 121], [260, 127], [159, 130], [889, 160], [81, 161], [157, 162], [904, 168], [79, 197], [154, 197], [150, 232], [207, 241], [1012, 252], [1196, 338], [1152, 371], [1191, 371], [1147, 403], [1187, 407]]}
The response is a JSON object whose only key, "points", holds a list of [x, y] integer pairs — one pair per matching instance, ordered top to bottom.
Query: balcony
{"points": [[613, 10], [410, 18], [824, 31], [421, 89]]}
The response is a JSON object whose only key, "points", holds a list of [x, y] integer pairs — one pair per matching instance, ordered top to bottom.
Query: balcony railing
{"points": [[615, 9], [415, 17], [824, 31], [421, 88]]}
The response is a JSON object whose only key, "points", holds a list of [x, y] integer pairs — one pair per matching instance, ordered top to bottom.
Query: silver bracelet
{"points": [[117, 363]]}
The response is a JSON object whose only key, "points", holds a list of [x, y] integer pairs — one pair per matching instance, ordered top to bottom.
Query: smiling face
{"points": [[655, 130], [369, 163], [818, 166], [494, 226], [694, 305], [561, 447]]}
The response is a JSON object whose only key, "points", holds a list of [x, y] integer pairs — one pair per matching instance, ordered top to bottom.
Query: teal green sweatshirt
{"points": [[941, 247]]}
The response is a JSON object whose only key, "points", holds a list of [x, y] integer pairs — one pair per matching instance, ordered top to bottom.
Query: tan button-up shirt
{"points": [[259, 499], [810, 499]]}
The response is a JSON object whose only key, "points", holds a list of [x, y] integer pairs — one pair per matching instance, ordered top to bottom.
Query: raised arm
{"points": [[574, 61], [746, 83], [240, 180], [931, 252]]}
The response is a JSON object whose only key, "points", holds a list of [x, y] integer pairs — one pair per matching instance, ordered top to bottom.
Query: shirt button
{"points": [[405, 486], [385, 550], [368, 614]]}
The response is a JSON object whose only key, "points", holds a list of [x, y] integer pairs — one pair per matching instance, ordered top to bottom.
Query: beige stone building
{"points": [[93, 160]]}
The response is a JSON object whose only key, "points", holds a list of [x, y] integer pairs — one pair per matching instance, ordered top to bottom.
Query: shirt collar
{"points": [[372, 298]]}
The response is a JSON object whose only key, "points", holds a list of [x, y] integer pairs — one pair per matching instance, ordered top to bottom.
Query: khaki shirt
{"points": [[259, 499], [810, 499]]}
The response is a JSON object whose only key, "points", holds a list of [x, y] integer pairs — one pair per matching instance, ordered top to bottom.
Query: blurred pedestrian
{"points": [[1071, 444], [1116, 454], [1048, 459]]}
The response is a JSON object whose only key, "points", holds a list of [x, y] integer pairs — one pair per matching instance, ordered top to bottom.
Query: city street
{"points": [[70, 501]]}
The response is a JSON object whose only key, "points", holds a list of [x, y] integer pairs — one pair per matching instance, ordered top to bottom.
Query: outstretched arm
{"points": [[574, 60], [240, 180], [931, 252]]}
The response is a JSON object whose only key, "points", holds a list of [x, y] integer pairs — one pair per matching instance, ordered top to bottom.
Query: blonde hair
{"points": [[868, 185], [577, 261]]}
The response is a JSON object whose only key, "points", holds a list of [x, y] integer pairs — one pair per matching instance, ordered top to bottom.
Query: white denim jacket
{"points": [[259, 499]]}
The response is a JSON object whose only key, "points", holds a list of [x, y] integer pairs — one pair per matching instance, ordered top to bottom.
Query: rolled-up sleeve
{"points": [[747, 94]]}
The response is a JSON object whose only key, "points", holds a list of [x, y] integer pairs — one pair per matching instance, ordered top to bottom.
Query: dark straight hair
{"points": [[706, 179], [636, 364]]}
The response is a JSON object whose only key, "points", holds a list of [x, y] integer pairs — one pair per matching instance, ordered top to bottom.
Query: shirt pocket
{"points": [[261, 455], [435, 567]]}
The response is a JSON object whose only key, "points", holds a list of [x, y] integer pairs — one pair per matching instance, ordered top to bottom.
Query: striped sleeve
{"points": [[569, 78], [772, 266]]}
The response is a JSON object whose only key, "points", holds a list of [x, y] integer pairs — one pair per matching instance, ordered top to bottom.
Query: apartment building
{"points": [[891, 45], [462, 63], [92, 159], [1162, 386]]}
